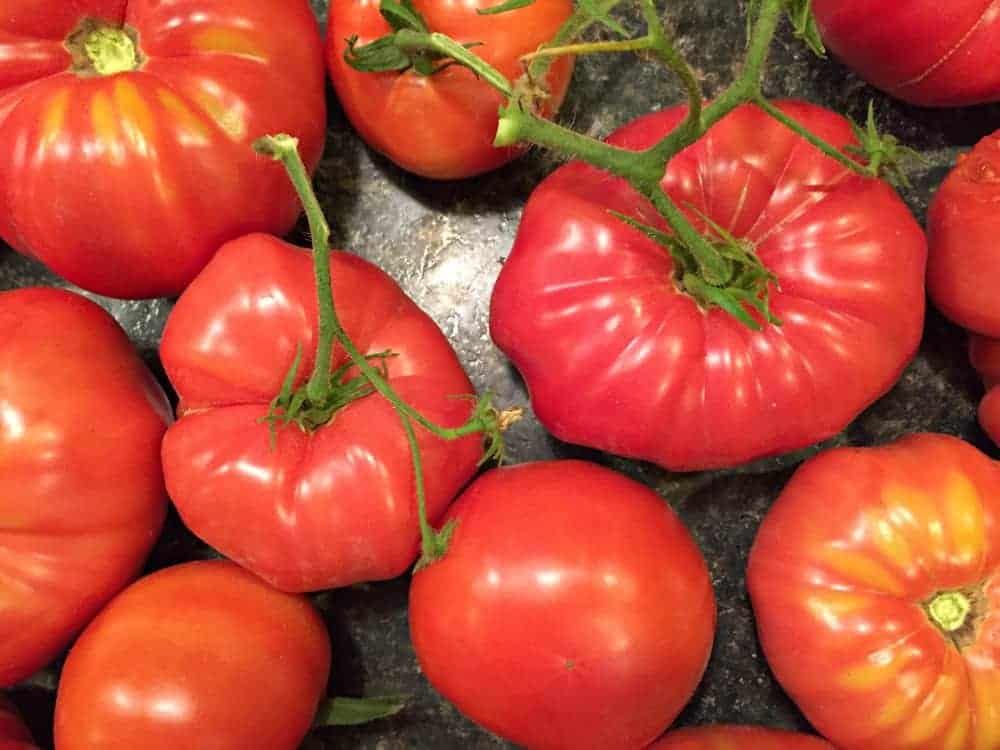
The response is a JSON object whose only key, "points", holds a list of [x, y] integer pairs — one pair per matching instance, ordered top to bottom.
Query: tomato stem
{"points": [[100, 49], [949, 610]]}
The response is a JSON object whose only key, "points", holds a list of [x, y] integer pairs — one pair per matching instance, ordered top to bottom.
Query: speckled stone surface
{"points": [[445, 244]]}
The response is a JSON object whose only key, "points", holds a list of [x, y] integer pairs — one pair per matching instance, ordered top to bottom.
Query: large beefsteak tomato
{"points": [[927, 52], [443, 125], [125, 131], [963, 252], [617, 358], [81, 489], [328, 507], [875, 581], [571, 611], [201, 655], [13, 734], [724, 737]]}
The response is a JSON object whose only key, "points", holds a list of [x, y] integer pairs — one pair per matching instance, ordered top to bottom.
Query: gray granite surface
{"points": [[444, 242]]}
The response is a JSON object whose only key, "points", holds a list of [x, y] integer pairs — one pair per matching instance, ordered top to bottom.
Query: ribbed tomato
{"points": [[126, 125], [617, 357], [875, 582]]}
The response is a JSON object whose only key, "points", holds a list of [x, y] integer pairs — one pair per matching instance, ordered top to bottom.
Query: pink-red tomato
{"points": [[927, 52], [442, 126], [126, 183], [963, 253], [985, 356], [615, 357], [81, 489], [318, 509], [875, 582], [572, 610], [201, 655], [13, 734], [725, 737]]}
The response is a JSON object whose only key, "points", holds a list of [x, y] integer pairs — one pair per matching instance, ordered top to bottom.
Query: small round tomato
{"points": [[927, 52], [443, 125], [126, 129], [963, 254], [985, 356], [81, 488], [306, 509], [875, 582], [571, 610], [200, 655], [13, 734], [738, 738]]}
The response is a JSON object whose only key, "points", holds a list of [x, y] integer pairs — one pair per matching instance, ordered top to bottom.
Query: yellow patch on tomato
{"points": [[227, 41], [55, 117], [137, 121], [190, 129], [963, 511], [861, 569], [880, 669], [935, 711]]}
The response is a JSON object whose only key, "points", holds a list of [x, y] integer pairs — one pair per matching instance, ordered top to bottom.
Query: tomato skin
{"points": [[921, 51], [442, 126], [169, 144], [963, 261], [985, 356], [616, 358], [81, 488], [324, 509], [859, 543], [572, 610], [203, 654], [13, 734], [724, 737]]}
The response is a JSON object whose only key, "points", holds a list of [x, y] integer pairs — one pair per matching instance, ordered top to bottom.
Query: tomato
{"points": [[921, 51], [442, 126], [126, 183], [963, 222], [985, 355], [615, 357], [81, 489], [317, 509], [875, 582], [572, 609], [198, 655], [13, 734], [738, 738]]}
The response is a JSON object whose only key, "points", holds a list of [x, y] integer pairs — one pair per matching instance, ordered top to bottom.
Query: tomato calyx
{"points": [[98, 48], [885, 156], [957, 614]]}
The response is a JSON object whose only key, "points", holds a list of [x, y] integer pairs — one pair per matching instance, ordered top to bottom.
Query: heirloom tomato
{"points": [[927, 52], [443, 125], [125, 131], [963, 251], [985, 355], [617, 357], [81, 489], [306, 510], [875, 582], [572, 609], [200, 655], [13, 734], [724, 737]]}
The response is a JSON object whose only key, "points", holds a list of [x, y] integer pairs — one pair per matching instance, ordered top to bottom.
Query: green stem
{"points": [[577, 23], [413, 41], [591, 48], [669, 56], [433, 544]]}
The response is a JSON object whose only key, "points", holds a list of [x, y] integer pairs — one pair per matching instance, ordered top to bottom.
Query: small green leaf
{"points": [[504, 7], [591, 9], [402, 15], [804, 25], [379, 56], [886, 156], [710, 295], [344, 712]]}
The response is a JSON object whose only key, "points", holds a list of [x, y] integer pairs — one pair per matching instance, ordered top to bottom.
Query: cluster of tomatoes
{"points": [[572, 608]]}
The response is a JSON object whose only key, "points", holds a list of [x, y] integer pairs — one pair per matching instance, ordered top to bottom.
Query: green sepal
{"points": [[504, 7], [596, 14], [402, 15], [804, 26], [379, 56], [886, 156], [347, 712]]}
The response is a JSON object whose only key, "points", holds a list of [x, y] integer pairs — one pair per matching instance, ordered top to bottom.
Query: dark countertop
{"points": [[444, 242]]}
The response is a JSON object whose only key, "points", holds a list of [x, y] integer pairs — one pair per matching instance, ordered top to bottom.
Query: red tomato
{"points": [[927, 52], [442, 126], [126, 183], [963, 223], [985, 356], [616, 358], [81, 490], [321, 509], [875, 581], [572, 610], [201, 655], [13, 734], [738, 738]]}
